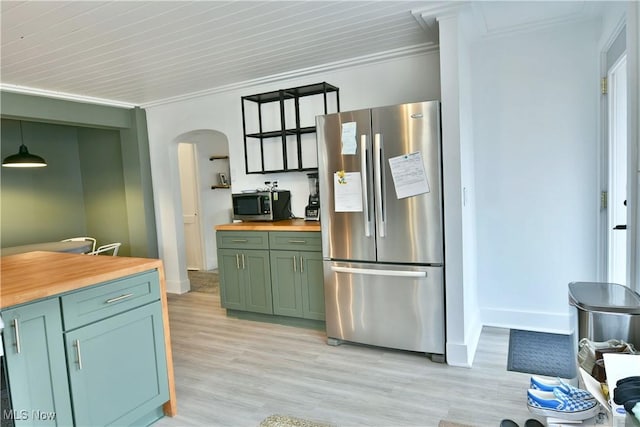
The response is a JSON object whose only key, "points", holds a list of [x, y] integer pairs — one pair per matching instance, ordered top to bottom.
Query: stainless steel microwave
{"points": [[262, 205]]}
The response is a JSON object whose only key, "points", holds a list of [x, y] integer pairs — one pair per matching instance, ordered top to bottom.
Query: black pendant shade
{"points": [[23, 159]]}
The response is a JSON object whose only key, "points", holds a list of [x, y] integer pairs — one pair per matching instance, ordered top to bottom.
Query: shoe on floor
{"points": [[634, 379], [538, 383], [625, 392], [558, 405], [508, 423]]}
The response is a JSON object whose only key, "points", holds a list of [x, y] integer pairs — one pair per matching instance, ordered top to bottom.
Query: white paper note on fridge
{"points": [[349, 144], [409, 176], [347, 191]]}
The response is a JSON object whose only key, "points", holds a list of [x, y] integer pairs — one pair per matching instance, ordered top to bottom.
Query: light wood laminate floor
{"points": [[232, 372]]}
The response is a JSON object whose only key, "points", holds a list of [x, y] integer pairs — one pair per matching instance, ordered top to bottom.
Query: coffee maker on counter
{"points": [[312, 211]]}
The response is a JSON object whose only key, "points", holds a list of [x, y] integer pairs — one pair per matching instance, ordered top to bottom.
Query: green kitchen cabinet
{"points": [[272, 272], [296, 274], [245, 277], [231, 279], [257, 281], [245, 282], [286, 283], [313, 286], [298, 288], [89, 357], [36, 365], [117, 367]]}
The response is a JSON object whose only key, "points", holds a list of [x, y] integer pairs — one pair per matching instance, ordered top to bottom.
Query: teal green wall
{"points": [[98, 178], [103, 186], [41, 204]]}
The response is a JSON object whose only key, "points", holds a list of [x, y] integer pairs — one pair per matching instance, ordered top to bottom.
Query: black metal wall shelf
{"points": [[283, 98], [214, 187]]}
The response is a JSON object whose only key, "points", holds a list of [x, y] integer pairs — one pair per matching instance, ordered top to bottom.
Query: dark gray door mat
{"points": [[542, 353]]}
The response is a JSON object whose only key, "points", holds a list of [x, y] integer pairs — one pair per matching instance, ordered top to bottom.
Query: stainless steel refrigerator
{"points": [[382, 227]]}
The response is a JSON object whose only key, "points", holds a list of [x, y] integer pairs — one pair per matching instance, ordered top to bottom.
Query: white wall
{"points": [[387, 82], [535, 105], [633, 129], [463, 323]]}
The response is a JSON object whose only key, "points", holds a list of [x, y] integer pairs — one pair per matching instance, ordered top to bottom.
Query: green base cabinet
{"points": [[272, 272], [245, 273], [231, 279], [257, 281], [297, 282], [286, 283], [313, 287], [91, 357], [36, 365], [116, 368]]}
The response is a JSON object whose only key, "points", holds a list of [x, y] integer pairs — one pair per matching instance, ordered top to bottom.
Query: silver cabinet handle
{"points": [[365, 192], [239, 240], [297, 241], [238, 261], [243, 261], [294, 264], [301, 264], [120, 298], [16, 330], [76, 344]]}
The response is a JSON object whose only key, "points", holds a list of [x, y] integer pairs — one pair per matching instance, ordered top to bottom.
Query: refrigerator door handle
{"points": [[378, 169], [365, 191], [374, 272]]}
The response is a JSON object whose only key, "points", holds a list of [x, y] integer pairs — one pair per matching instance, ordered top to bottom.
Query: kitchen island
{"points": [[272, 271], [97, 327]]}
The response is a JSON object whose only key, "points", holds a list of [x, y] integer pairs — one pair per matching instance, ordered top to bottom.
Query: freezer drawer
{"points": [[392, 306]]}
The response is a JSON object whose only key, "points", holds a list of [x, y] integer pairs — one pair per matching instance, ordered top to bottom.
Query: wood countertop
{"points": [[284, 225], [35, 275]]}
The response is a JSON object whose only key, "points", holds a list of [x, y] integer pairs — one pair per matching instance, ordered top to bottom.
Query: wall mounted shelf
{"points": [[284, 141], [223, 177]]}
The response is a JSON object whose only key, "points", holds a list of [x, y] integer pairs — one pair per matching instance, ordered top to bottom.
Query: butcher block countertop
{"points": [[284, 225], [35, 275], [32, 276]]}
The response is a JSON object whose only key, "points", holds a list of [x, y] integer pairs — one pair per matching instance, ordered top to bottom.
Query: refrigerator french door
{"points": [[383, 248]]}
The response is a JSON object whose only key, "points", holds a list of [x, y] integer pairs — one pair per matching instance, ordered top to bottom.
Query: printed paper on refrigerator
{"points": [[349, 143], [409, 176], [347, 191]]}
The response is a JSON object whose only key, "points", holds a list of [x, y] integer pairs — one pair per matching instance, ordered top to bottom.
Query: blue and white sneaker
{"points": [[538, 383], [558, 405]]}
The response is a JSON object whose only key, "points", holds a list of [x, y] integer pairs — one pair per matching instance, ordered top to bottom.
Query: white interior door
{"points": [[617, 186], [190, 205]]}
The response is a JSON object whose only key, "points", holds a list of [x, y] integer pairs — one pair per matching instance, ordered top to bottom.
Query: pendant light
{"points": [[23, 159]]}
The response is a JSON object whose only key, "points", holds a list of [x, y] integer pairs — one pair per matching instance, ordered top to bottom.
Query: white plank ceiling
{"points": [[141, 52], [147, 52]]}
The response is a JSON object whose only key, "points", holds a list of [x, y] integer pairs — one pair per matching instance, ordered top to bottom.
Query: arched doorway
{"points": [[202, 157]]}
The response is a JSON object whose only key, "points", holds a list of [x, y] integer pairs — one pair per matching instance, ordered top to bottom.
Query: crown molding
{"points": [[587, 11], [429, 16], [358, 61], [62, 95]]}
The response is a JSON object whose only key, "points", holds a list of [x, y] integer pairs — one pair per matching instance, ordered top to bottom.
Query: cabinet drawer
{"points": [[243, 239], [295, 240], [105, 300]]}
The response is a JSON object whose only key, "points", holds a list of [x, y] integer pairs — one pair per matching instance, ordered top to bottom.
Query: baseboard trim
{"points": [[178, 286], [281, 320], [558, 323], [462, 354]]}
